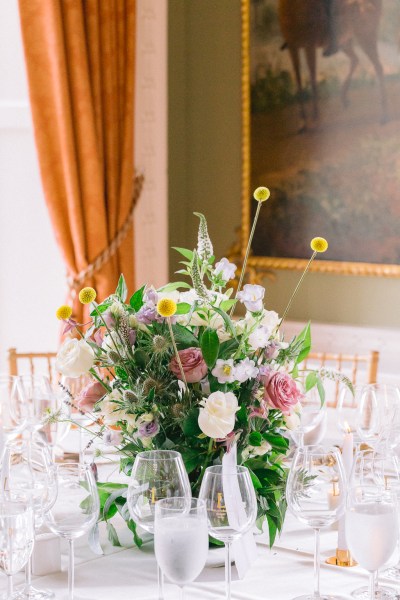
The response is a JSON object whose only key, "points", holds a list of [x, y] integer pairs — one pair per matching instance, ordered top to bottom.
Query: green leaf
{"points": [[186, 253], [171, 287], [122, 289], [136, 300], [227, 304], [100, 308], [182, 308], [228, 323], [183, 337], [304, 340], [209, 344], [228, 348], [141, 358], [121, 373], [311, 381], [321, 390], [242, 415], [190, 425], [255, 438], [276, 441], [191, 458], [256, 482], [111, 487], [132, 526], [272, 528], [112, 534]]}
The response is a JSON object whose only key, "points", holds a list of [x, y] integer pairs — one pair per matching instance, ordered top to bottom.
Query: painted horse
{"points": [[304, 25]]}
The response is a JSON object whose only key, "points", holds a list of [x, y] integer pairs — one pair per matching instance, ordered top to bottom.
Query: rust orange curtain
{"points": [[80, 58]]}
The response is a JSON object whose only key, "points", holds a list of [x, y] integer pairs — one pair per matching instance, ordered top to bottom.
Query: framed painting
{"points": [[321, 129]]}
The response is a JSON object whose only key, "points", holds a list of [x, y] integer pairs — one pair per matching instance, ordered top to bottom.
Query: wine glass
{"points": [[33, 397], [346, 408], [311, 414], [55, 421], [369, 421], [12, 424], [27, 471], [313, 472], [156, 474], [231, 508], [75, 510], [371, 528], [16, 538], [181, 538]]}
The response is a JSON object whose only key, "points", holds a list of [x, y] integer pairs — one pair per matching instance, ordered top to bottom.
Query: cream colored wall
{"points": [[205, 164]]}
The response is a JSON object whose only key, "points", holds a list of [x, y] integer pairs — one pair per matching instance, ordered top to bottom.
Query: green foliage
{"points": [[122, 289], [136, 300], [209, 345]]}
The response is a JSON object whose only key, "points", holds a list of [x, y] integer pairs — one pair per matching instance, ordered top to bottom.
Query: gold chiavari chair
{"points": [[20, 363], [359, 368]]}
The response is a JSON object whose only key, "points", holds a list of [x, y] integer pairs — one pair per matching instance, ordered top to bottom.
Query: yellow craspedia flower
{"points": [[261, 194], [319, 244], [87, 295], [166, 307], [63, 312]]}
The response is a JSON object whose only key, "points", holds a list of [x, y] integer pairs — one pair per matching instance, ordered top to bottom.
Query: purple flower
{"points": [[150, 296], [252, 297], [147, 314], [108, 319], [132, 336], [272, 350], [149, 429], [112, 438]]}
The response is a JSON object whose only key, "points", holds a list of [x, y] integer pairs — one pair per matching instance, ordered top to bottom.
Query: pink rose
{"points": [[193, 364], [280, 391], [90, 394]]}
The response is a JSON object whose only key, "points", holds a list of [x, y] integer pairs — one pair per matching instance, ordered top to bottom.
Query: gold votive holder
{"points": [[342, 558]]}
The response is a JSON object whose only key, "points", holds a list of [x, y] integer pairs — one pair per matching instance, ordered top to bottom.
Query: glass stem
{"points": [[301, 439], [316, 565], [71, 570], [228, 571], [28, 574], [372, 577], [160, 583], [9, 586], [182, 593]]}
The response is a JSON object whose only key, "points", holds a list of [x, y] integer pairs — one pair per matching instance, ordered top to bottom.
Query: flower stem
{"points": [[246, 256], [297, 289], [178, 358], [94, 374]]}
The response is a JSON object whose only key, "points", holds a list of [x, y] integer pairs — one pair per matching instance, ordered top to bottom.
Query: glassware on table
{"points": [[34, 395], [346, 408], [378, 412], [312, 414], [56, 421], [11, 423], [27, 472], [156, 474], [312, 475], [231, 508], [75, 510], [371, 529], [16, 539], [181, 539]]}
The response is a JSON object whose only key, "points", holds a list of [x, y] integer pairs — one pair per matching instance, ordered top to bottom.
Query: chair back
{"points": [[21, 363]]}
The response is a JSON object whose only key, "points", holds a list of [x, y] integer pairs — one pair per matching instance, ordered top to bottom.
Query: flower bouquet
{"points": [[172, 369]]}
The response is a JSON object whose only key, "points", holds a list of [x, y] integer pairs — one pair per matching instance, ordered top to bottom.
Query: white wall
{"points": [[32, 274]]}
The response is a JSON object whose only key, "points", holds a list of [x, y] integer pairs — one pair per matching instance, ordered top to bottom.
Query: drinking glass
{"points": [[33, 397], [346, 409], [378, 412], [312, 413], [55, 421], [11, 423], [26, 471], [156, 474], [312, 476], [231, 508], [75, 510], [371, 528], [16, 539], [181, 539]]}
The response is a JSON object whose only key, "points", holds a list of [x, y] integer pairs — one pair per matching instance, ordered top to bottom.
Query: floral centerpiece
{"points": [[172, 369]]}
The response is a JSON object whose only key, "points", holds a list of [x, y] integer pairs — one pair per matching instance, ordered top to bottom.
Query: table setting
{"points": [[186, 452]]}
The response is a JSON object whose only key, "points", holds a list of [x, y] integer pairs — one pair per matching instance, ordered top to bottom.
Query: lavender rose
{"points": [[193, 364], [280, 391], [90, 394], [149, 429]]}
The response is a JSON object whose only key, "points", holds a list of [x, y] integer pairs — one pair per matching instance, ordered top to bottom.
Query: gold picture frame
{"points": [[271, 263]]}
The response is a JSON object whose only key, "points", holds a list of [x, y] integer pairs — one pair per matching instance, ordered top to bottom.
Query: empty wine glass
{"points": [[33, 397], [346, 408], [311, 414], [369, 420], [55, 421], [11, 423], [26, 471], [156, 474], [310, 481], [231, 508], [75, 510], [371, 529], [16, 538], [181, 538]]}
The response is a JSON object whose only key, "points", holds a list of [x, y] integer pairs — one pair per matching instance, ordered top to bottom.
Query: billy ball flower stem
{"points": [[261, 194], [318, 245], [166, 307]]}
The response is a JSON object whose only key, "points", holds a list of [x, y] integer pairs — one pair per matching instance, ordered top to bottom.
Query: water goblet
{"points": [[33, 397], [346, 408], [312, 413], [12, 423], [156, 474], [308, 490], [231, 508], [75, 510], [372, 530], [181, 538], [16, 539]]}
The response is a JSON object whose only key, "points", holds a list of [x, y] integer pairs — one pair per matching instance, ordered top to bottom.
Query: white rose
{"points": [[74, 358], [217, 415]]}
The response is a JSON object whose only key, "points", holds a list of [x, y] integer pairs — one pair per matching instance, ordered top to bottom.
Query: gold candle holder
{"points": [[342, 558]]}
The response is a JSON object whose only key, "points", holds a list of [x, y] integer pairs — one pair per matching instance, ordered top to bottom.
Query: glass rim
{"points": [[308, 449], [158, 455], [74, 466], [217, 470], [194, 502]]}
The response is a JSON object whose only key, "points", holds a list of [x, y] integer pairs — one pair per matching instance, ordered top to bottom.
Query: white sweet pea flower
{"points": [[225, 269], [190, 297], [252, 297], [269, 318], [259, 338], [74, 358], [245, 369], [224, 371], [217, 414], [292, 421], [249, 451]]}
